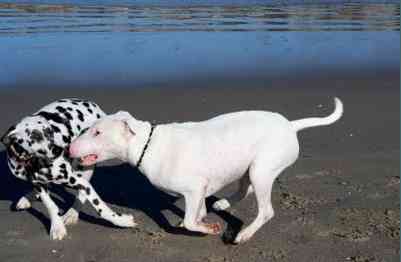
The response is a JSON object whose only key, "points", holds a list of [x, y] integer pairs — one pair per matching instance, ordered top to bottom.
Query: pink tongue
{"points": [[89, 159]]}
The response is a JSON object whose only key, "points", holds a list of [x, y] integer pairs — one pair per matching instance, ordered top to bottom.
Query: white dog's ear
{"points": [[122, 115], [128, 120], [129, 127]]}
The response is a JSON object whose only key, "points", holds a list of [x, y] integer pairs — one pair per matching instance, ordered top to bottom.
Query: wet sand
{"points": [[339, 202]]}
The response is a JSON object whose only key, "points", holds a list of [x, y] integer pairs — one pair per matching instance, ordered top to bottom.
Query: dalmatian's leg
{"points": [[83, 185], [25, 201], [72, 215], [57, 227]]}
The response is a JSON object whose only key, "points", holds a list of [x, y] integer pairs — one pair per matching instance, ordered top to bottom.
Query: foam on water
{"points": [[20, 18]]}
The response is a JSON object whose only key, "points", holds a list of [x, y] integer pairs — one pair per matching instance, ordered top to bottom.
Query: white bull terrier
{"points": [[196, 159]]}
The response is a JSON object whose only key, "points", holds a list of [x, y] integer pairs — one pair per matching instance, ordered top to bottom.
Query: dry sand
{"points": [[339, 202]]}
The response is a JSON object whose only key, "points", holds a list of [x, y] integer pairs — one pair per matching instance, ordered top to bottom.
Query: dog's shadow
{"points": [[120, 185]]}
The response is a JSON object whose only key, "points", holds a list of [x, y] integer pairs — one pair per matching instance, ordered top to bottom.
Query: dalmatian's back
{"points": [[67, 119]]}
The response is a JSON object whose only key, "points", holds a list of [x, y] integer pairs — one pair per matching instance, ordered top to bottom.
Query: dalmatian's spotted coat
{"points": [[37, 152]]}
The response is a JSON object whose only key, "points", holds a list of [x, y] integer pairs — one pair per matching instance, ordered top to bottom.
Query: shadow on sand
{"points": [[120, 185]]}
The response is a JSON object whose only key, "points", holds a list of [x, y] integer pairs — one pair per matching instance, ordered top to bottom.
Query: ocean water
{"points": [[135, 44]]}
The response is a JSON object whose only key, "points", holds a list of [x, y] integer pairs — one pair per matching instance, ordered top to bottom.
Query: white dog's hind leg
{"points": [[262, 178], [245, 188], [202, 211], [57, 227]]}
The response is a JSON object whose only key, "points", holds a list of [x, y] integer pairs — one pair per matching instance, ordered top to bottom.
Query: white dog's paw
{"points": [[23, 203], [221, 204], [70, 217], [124, 220], [180, 224], [57, 230], [242, 237]]}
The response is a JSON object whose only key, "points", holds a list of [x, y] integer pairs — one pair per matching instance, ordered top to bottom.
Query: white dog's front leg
{"points": [[195, 210], [57, 227]]}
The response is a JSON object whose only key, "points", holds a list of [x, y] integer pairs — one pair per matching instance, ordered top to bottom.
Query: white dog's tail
{"points": [[320, 121]]}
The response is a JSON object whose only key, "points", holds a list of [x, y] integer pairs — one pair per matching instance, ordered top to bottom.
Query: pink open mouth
{"points": [[89, 160]]}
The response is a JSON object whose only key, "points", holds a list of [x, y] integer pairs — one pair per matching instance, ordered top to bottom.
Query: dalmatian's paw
{"points": [[23, 203], [221, 204], [70, 217], [124, 220], [57, 230]]}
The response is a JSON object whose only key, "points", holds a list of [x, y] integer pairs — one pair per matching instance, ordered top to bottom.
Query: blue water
{"points": [[131, 44]]}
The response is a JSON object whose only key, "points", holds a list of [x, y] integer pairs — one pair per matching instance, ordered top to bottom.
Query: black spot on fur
{"points": [[74, 103], [86, 104], [69, 108], [60, 109], [90, 111], [68, 115], [80, 115], [98, 116], [52, 117], [79, 127], [56, 129], [48, 133], [36, 136], [66, 139], [20, 141], [56, 150], [42, 152], [63, 166], [64, 172], [79, 175], [59, 177], [72, 180], [79, 187], [88, 190], [95, 201], [100, 211]]}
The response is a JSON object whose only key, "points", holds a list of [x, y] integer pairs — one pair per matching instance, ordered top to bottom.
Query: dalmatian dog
{"points": [[37, 152], [196, 159]]}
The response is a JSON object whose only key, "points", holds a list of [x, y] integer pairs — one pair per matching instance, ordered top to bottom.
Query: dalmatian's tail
{"points": [[320, 121]]}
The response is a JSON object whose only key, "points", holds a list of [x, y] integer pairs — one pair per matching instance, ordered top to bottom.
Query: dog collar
{"points": [[152, 128]]}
